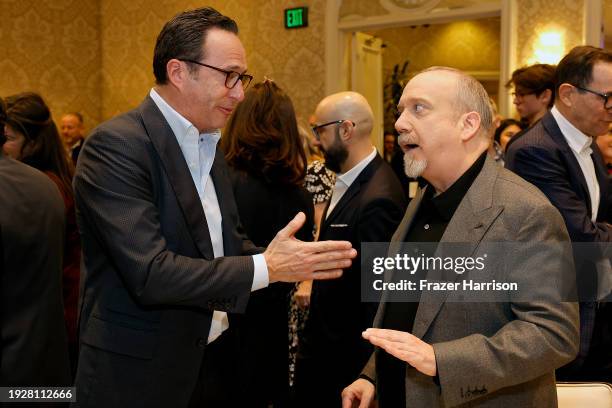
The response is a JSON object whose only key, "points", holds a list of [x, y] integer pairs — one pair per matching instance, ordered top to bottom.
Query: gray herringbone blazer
{"points": [[499, 354]]}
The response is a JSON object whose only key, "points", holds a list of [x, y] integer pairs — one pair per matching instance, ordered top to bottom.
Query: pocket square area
{"points": [[338, 225]]}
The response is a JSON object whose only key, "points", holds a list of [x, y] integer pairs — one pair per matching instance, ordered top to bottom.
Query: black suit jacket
{"points": [[76, 150], [542, 156], [265, 208], [369, 211], [150, 282], [34, 348]]}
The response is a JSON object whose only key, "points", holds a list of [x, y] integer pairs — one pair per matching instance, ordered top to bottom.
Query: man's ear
{"points": [[177, 72], [565, 94], [545, 96], [470, 125], [346, 131]]}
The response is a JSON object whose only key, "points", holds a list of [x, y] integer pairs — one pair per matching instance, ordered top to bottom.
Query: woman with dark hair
{"points": [[506, 131], [32, 138], [265, 153]]}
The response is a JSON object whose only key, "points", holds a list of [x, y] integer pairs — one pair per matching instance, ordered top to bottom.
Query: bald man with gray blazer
{"points": [[446, 350]]}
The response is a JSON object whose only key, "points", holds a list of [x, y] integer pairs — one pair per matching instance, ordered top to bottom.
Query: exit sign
{"points": [[296, 17]]}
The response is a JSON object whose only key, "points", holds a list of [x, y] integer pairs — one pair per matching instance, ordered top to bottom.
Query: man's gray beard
{"points": [[413, 168]]}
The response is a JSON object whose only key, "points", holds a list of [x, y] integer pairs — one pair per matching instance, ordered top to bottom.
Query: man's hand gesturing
{"points": [[292, 260]]}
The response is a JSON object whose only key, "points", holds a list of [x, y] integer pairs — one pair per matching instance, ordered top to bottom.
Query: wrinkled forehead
{"points": [[224, 49], [602, 76], [435, 87], [70, 120]]}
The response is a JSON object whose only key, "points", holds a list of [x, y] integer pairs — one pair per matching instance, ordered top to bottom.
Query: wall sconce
{"points": [[549, 48]]}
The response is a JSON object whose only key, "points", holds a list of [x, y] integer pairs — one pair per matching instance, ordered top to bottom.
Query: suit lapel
{"points": [[551, 126], [179, 178], [603, 179], [352, 191], [225, 196], [472, 219], [396, 244]]}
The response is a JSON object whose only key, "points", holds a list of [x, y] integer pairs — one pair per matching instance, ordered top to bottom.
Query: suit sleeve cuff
{"points": [[260, 273], [368, 378]]}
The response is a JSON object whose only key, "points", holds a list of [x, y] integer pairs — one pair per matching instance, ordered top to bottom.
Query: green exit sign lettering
{"points": [[296, 17]]}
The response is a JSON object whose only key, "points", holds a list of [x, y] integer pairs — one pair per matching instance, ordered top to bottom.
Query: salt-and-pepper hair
{"points": [[471, 97]]}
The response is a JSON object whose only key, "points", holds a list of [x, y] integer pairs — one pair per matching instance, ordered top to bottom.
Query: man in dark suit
{"points": [[558, 156], [366, 206], [165, 258], [457, 347], [34, 348]]}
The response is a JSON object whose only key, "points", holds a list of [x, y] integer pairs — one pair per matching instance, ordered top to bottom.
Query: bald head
{"points": [[469, 95], [347, 106], [71, 128]]}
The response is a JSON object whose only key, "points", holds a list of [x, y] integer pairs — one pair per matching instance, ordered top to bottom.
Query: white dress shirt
{"points": [[580, 144], [199, 152], [344, 180]]}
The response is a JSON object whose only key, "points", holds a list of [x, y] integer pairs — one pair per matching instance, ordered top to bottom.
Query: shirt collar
{"points": [[180, 126], [577, 141], [76, 144], [349, 177], [446, 203]]}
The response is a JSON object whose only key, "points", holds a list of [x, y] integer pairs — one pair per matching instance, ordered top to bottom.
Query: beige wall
{"points": [[537, 16], [466, 45], [53, 48], [94, 56], [293, 58]]}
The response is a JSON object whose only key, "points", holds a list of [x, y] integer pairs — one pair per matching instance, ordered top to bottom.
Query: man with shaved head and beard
{"points": [[366, 206], [443, 350]]}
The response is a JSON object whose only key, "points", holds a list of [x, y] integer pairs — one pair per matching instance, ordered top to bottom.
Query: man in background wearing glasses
{"points": [[534, 91], [559, 157], [367, 204], [165, 258]]}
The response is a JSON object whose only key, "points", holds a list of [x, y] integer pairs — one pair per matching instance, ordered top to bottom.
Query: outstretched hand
{"points": [[292, 260], [405, 347]]}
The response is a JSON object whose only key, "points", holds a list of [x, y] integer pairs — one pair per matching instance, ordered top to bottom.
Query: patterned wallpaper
{"points": [[374, 8], [541, 15], [607, 22], [466, 45], [52, 48], [95, 56], [293, 58]]}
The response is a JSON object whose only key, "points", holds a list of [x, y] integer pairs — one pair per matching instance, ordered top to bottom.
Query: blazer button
{"points": [[201, 342]]}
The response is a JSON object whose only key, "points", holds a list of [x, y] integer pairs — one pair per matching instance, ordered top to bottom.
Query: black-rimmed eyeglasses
{"points": [[231, 77], [604, 96], [315, 128]]}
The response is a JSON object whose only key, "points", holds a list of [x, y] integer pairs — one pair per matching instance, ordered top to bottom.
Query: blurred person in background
{"points": [[534, 91], [506, 131], [73, 133], [33, 139], [604, 142], [390, 146], [265, 153], [558, 156], [319, 182], [366, 205], [34, 350]]}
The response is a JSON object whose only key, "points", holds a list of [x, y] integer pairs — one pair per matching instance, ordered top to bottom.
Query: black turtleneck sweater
{"points": [[431, 220]]}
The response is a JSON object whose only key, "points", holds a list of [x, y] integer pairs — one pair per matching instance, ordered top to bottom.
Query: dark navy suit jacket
{"points": [[542, 156], [150, 282]]}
